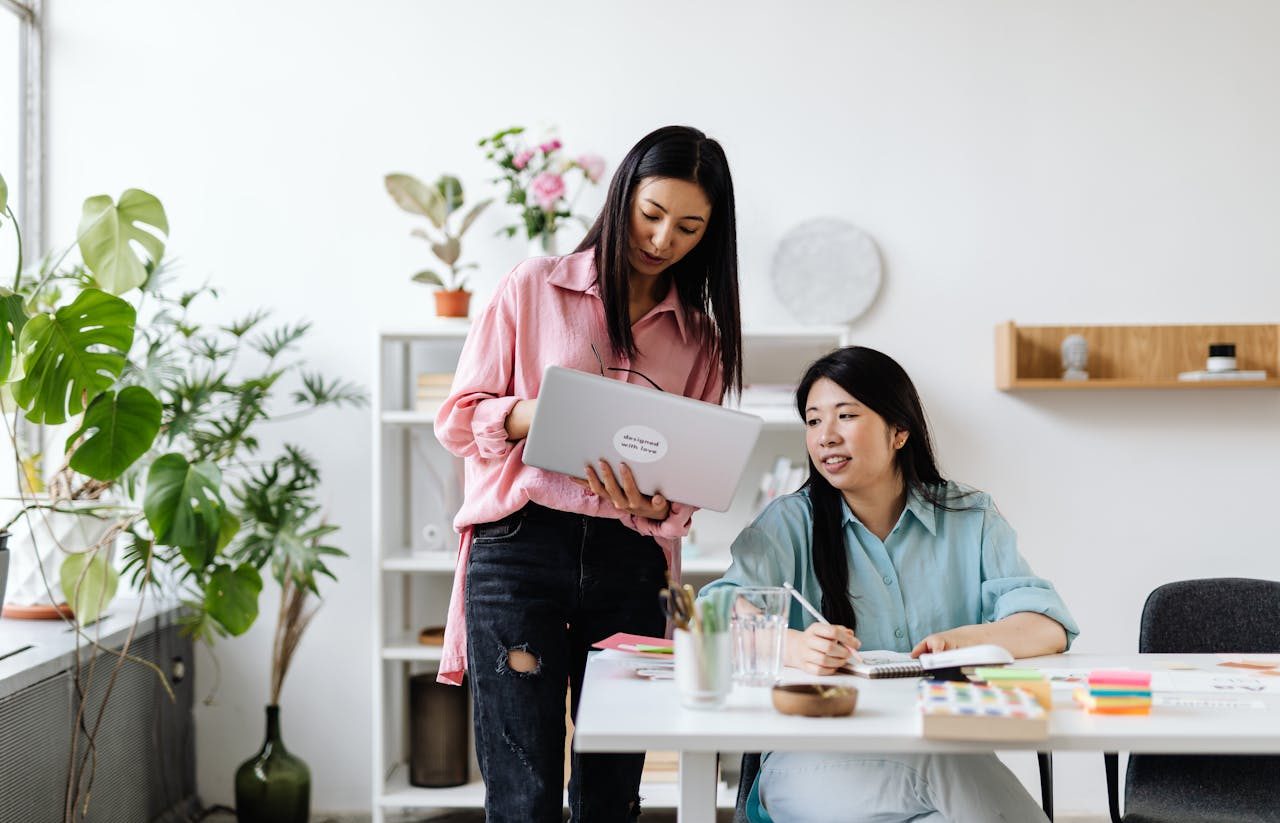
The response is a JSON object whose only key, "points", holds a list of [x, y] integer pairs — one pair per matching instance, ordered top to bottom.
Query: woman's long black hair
{"points": [[706, 279], [880, 384]]}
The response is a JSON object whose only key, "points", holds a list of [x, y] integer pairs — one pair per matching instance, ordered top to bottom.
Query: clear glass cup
{"points": [[759, 628]]}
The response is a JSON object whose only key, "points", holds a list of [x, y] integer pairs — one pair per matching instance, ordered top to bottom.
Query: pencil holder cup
{"points": [[704, 668]]}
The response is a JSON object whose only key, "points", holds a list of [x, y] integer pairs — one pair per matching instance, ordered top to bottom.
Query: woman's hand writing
{"points": [[822, 648]]}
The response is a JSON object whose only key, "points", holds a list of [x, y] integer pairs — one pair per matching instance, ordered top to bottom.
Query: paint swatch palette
{"points": [[969, 711]]}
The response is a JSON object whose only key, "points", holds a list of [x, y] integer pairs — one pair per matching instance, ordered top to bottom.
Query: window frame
{"points": [[32, 154]]}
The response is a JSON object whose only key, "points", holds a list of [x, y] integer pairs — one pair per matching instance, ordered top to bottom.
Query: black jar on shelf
{"points": [[439, 748]]}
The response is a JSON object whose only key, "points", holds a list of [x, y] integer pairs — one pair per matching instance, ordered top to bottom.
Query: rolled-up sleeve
{"points": [[472, 422], [758, 560], [1009, 585]]}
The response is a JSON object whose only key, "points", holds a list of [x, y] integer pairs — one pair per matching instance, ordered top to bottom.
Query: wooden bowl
{"points": [[811, 700]]}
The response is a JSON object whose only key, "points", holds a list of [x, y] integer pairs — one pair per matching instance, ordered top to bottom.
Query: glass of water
{"points": [[758, 627]]}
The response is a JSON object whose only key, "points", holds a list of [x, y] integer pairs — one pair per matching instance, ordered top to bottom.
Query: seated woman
{"points": [[900, 559]]}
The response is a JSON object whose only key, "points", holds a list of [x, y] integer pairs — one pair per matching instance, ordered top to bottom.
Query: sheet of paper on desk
{"points": [[1218, 681], [1224, 681], [1208, 701]]}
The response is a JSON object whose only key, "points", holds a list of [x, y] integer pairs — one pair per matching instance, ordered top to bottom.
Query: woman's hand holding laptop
{"points": [[620, 490], [624, 496]]}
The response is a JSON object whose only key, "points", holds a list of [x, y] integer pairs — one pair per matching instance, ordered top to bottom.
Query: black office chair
{"points": [[1218, 615], [751, 767]]}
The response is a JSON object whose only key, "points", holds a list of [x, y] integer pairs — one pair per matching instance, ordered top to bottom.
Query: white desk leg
{"points": [[697, 800]]}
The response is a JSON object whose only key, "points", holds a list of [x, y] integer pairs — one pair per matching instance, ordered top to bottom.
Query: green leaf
{"points": [[450, 189], [4, 194], [416, 197], [472, 215], [109, 231], [449, 251], [429, 277], [12, 318], [243, 326], [275, 342], [64, 357], [316, 392], [120, 428], [184, 506], [228, 525], [88, 583], [231, 596]]}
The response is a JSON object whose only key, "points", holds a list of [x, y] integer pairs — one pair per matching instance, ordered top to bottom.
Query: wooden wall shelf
{"points": [[1132, 357]]}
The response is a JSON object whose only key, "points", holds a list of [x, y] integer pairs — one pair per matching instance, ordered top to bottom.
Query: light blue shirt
{"points": [[935, 571]]}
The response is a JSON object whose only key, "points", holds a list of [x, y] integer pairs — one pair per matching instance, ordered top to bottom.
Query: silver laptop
{"points": [[691, 451]]}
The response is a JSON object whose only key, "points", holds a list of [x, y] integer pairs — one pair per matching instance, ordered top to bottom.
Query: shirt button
{"points": [[888, 581], [897, 632]]}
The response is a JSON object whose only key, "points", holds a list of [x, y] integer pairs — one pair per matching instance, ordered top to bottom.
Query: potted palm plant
{"points": [[439, 203]]}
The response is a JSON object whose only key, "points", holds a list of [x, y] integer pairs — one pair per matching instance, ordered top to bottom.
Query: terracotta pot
{"points": [[453, 303]]}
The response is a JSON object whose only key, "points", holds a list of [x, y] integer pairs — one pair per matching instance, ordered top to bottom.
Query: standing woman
{"points": [[549, 564]]}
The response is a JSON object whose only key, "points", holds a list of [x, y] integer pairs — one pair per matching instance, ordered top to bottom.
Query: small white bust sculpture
{"points": [[1075, 357]]}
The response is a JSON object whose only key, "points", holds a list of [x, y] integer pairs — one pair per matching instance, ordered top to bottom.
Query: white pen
{"points": [[817, 615]]}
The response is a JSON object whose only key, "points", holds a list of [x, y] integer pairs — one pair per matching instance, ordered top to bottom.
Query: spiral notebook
{"points": [[877, 664]]}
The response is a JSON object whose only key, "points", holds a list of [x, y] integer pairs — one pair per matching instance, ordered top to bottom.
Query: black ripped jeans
{"points": [[551, 583]]}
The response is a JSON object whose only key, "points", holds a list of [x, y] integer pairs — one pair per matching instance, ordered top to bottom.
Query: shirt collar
{"points": [[577, 272], [921, 509]]}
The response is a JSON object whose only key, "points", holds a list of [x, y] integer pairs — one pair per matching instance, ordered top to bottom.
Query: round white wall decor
{"points": [[826, 270]]}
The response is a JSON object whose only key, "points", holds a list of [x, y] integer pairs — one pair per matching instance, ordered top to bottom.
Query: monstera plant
{"points": [[163, 408], [160, 418]]}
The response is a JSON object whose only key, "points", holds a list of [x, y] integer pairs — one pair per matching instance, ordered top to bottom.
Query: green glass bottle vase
{"points": [[273, 786]]}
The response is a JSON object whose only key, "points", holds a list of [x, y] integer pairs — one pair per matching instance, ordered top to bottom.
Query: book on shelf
{"points": [[1234, 374], [433, 389], [770, 395], [785, 478], [879, 663], [952, 710], [660, 767]]}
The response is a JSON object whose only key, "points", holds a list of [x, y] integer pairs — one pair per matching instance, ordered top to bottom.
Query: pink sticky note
{"points": [[624, 642], [1120, 677]]}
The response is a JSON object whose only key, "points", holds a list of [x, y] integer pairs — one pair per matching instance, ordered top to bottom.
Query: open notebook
{"points": [[899, 664]]}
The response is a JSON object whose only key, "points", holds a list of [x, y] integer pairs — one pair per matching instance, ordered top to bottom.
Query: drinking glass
{"points": [[759, 627]]}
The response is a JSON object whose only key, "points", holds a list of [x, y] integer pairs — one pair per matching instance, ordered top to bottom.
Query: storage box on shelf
{"points": [[1133, 357], [417, 489]]}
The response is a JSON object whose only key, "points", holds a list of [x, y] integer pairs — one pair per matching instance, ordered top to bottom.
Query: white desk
{"points": [[621, 712]]}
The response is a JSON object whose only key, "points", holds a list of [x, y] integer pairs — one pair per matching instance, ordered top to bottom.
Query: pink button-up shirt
{"points": [[548, 311]]}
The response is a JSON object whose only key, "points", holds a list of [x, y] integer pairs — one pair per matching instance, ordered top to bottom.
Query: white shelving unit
{"points": [[416, 488]]}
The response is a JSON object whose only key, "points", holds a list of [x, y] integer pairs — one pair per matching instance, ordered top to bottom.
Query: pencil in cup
{"points": [[817, 615]]}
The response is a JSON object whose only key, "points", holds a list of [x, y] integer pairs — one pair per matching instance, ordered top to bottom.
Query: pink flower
{"points": [[550, 146], [522, 158], [592, 166], [547, 188]]}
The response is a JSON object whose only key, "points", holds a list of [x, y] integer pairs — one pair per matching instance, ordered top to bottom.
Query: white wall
{"points": [[1051, 163]]}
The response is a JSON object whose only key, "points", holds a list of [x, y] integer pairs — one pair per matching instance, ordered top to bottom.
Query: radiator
{"points": [[145, 745]]}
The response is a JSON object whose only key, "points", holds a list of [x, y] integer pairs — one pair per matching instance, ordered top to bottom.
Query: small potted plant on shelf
{"points": [[438, 203]]}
